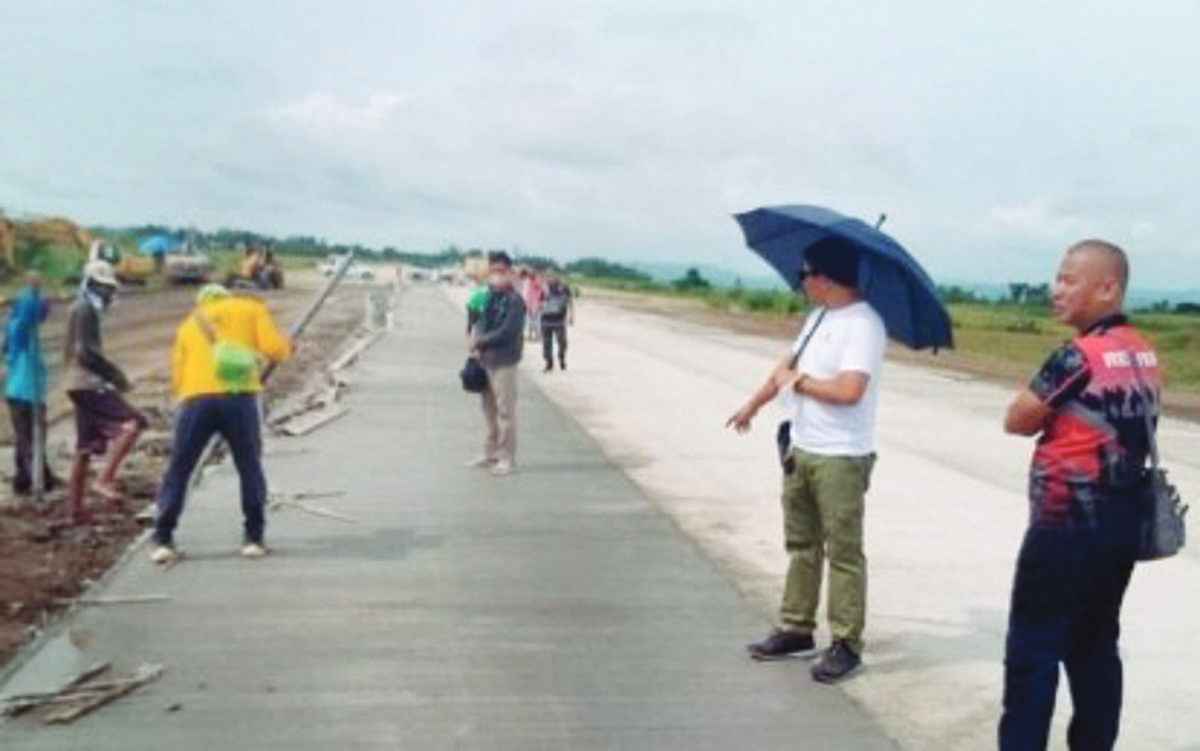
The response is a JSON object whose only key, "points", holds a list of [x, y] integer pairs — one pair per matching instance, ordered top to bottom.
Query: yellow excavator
{"points": [[131, 268]]}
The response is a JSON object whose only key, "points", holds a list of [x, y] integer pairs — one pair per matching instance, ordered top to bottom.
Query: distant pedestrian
{"points": [[534, 292], [558, 312], [499, 342], [215, 376], [25, 383], [830, 383], [95, 385], [1088, 406]]}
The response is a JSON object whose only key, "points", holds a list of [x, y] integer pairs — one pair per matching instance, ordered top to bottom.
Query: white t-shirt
{"points": [[849, 338]]}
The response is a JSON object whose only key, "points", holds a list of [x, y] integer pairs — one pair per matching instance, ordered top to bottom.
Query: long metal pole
{"points": [[298, 327], [296, 330], [38, 461]]}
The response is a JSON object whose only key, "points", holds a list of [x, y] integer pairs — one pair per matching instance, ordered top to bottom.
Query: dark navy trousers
{"points": [[234, 418], [1066, 609]]}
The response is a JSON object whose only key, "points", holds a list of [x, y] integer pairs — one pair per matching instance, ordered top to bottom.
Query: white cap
{"points": [[100, 272]]}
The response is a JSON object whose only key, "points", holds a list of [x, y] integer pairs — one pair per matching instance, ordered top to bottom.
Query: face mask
{"points": [[106, 295]]}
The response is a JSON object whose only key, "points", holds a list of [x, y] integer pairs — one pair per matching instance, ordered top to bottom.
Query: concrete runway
{"points": [[945, 517], [558, 608]]}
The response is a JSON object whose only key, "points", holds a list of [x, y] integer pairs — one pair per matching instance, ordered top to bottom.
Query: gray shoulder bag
{"points": [[783, 435], [1163, 532]]}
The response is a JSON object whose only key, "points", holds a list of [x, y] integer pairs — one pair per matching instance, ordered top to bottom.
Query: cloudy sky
{"points": [[993, 134]]}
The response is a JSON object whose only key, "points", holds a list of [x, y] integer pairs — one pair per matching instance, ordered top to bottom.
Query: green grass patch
{"points": [[1012, 336]]}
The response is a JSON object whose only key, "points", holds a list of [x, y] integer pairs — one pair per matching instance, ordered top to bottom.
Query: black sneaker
{"points": [[562, 364], [548, 368], [781, 645], [836, 663]]}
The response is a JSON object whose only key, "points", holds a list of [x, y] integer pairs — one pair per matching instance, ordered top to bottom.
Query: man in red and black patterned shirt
{"points": [[1088, 403]]}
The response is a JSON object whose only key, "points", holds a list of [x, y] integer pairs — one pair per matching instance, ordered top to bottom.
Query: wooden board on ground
{"points": [[310, 421]]}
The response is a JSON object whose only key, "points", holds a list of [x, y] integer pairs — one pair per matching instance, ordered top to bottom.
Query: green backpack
{"points": [[236, 363]]}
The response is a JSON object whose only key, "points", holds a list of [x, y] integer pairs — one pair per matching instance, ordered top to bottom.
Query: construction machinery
{"points": [[188, 266], [259, 270]]}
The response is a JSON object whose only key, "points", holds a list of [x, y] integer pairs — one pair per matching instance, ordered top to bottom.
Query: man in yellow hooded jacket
{"points": [[215, 377]]}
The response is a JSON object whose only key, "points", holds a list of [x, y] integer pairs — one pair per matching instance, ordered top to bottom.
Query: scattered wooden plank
{"points": [[355, 351], [324, 398], [307, 423], [305, 495], [314, 510], [130, 600], [95, 671], [145, 674], [19, 703]]}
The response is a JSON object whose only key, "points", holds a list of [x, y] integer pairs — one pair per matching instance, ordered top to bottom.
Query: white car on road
{"points": [[356, 271]]}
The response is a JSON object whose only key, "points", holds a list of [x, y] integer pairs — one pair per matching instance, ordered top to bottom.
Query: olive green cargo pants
{"points": [[823, 517]]}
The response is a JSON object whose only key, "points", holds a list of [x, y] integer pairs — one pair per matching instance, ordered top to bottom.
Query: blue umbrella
{"points": [[156, 245], [888, 277]]}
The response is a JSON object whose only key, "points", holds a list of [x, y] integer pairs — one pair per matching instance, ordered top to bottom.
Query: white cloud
{"points": [[327, 113], [620, 128], [1038, 218]]}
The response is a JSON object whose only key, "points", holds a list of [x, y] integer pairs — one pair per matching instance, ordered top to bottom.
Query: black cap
{"points": [[834, 259]]}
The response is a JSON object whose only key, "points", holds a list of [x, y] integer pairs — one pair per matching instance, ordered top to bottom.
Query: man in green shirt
{"points": [[476, 304]]}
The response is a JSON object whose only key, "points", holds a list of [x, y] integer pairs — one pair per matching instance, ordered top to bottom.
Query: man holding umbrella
{"points": [[866, 288], [830, 383]]}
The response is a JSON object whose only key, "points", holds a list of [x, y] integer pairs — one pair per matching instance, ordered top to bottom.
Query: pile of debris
{"points": [[21, 237], [83, 694]]}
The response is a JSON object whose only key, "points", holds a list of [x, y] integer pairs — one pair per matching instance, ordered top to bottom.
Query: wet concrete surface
{"points": [[556, 608]]}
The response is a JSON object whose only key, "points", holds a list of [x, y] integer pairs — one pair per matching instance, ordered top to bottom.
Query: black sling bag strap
{"points": [[783, 436], [1162, 532]]}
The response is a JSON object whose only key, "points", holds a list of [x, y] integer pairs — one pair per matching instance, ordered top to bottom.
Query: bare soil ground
{"points": [[1176, 403], [44, 563]]}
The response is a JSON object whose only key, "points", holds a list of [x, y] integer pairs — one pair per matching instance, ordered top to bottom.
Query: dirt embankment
{"points": [[43, 562]]}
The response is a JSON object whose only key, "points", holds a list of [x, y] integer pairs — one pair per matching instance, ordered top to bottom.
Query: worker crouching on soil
{"points": [[219, 350], [94, 385]]}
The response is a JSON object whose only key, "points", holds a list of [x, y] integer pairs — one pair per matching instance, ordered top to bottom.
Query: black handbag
{"points": [[474, 377], [783, 435], [1162, 531]]}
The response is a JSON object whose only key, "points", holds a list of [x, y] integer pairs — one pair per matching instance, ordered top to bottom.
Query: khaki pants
{"points": [[500, 411], [823, 517]]}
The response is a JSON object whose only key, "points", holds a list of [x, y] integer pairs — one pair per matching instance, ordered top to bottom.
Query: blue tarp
{"points": [[157, 245]]}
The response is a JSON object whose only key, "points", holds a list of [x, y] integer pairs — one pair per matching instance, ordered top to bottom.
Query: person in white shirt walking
{"points": [[829, 383]]}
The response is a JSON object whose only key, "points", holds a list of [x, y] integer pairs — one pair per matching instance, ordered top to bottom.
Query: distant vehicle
{"points": [[189, 266], [130, 268], [133, 269], [259, 269], [356, 271]]}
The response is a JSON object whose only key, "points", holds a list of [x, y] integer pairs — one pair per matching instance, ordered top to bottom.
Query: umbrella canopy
{"points": [[156, 245], [889, 278]]}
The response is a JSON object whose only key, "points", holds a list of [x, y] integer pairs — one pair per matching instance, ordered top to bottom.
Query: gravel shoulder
{"points": [[945, 516]]}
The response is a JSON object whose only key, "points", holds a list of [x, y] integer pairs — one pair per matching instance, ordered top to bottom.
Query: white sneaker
{"points": [[482, 462], [502, 469], [253, 550], [163, 554]]}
